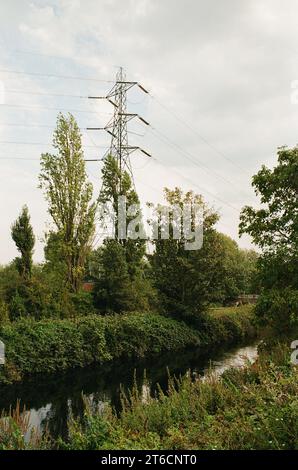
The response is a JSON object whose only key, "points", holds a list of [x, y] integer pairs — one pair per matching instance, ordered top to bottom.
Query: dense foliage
{"points": [[274, 228], [173, 280], [188, 280], [50, 324], [47, 346]]}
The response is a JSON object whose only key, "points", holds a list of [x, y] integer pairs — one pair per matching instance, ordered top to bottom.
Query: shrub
{"points": [[278, 309], [53, 345]]}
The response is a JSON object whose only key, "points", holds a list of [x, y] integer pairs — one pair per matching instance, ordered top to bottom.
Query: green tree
{"points": [[117, 183], [68, 193], [274, 228], [23, 236], [118, 265], [237, 269], [186, 279], [114, 290]]}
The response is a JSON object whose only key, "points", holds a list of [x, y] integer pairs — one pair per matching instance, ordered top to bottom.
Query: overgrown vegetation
{"points": [[274, 228], [50, 346], [253, 408], [17, 434]]}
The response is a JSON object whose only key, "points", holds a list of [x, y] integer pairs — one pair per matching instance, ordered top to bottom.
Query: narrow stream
{"points": [[51, 401]]}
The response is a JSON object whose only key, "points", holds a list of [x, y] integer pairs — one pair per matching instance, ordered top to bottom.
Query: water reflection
{"points": [[52, 402]]}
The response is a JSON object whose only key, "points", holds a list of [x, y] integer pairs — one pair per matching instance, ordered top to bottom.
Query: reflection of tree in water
{"points": [[65, 393], [67, 401], [55, 422]]}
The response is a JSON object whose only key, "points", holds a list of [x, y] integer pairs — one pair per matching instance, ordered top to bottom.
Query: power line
{"points": [[51, 75], [123, 85], [40, 93], [53, 109], [27, 125], [43, 126], [203, 139], [43, 143], [20, 158], [192, 158], [89, 159], [171, 170], [154, 188], [201, 189]]}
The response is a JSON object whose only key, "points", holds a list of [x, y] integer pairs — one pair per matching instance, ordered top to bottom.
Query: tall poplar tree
{"points": [[69, 195]]}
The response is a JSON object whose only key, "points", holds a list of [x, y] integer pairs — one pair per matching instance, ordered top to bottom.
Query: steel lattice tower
{"points": [[117, 127], [119, 142]]}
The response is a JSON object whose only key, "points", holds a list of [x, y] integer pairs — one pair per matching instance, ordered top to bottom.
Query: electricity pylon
{"points": [[117, 126]]}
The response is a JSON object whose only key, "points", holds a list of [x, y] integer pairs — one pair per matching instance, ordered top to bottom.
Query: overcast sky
{"points": [[219, 73]]}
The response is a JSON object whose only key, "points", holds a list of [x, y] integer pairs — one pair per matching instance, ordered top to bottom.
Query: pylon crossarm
{"points": [[143, 89], [114, 91], [133, 115], [143, 120], [131, 149], [145, 153]]}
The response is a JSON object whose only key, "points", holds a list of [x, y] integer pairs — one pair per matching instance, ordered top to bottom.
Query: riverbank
{"points": [[50, 346], [254, 407], [251, 408]]}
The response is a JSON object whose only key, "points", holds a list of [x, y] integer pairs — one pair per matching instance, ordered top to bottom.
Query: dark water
{"points": [[52, 401]]}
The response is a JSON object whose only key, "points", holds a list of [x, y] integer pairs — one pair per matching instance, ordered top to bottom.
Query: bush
{"points": [[42, 296], [278, 309], [228, 324], [138, 335], [49, 346]]}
